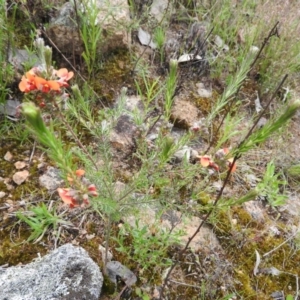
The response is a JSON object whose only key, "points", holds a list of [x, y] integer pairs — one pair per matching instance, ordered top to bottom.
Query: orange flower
{"points": [[64, 76], [31, 82], [27, 83], [46, 86], [230, 160], [206, 161], [79, 172], [92, 190], [67, 197], [72, 198]]}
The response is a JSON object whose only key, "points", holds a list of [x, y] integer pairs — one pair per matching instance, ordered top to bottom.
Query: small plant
{"points": [[91, 33], [159, 39], [46, 85], [170, 88], [294, 171], [271, 186], [40, 219], [148, 246]]}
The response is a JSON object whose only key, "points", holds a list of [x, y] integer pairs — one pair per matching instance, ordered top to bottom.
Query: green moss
{"points": [[113, 75], [204, 104], [240, 242], [13, 249]]}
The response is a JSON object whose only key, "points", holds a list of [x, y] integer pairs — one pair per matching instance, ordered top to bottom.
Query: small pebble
{"points": [[8, 156]]}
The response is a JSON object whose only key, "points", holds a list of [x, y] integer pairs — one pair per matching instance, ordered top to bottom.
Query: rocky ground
{"points": [[248, 251]]}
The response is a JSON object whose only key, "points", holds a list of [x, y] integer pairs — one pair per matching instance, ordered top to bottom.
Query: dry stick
{"points": [[272, 32], [236, 157]]}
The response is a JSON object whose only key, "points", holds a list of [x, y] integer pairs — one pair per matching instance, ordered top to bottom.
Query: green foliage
{"points": [[91, 34], [159, 39], [6, 70], [171, 82], [233, 86], [262, 134], [46, 136], [294, 171], [153, 173], [271, 186], [40, 219], [148, 248], [141, 294]]}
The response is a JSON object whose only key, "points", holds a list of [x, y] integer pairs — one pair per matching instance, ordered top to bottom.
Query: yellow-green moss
{"points": [[114, 75], [205, 104], [240, 242], [14, 249]]}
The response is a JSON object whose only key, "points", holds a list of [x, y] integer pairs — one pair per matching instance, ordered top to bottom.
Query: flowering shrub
{"points": [[47, 86]]}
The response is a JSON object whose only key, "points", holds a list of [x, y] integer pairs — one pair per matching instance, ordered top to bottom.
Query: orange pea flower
{"points": [[64, 76], [31, 82], [27, 83], [46, 86], [206, 161], [230, 161], [79, 173], [66, 196], [77, 197], [72, 198]]}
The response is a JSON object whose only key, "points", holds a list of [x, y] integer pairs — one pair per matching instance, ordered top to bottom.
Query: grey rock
{"points": [[158, 9], [113, 17], [63, 30], [145, 39], [195, 42], [221, 44], [172, 48], [17, 57], [204, 91], [10, 108], [121, 137], [185, 152], [51, 180], [255, 209], [205, 240], [115, 268], [66, 273]]}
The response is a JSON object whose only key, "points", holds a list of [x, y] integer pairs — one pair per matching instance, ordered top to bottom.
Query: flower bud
{"points": [[33, 117]]}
